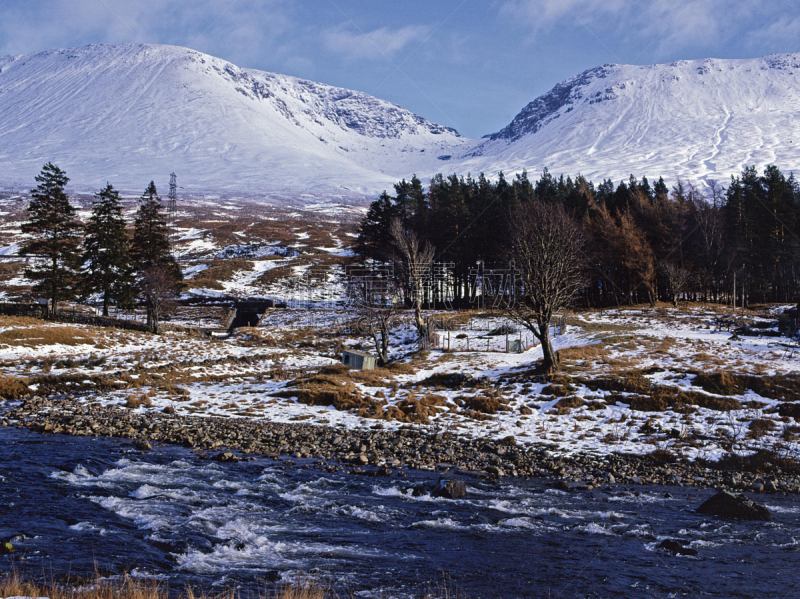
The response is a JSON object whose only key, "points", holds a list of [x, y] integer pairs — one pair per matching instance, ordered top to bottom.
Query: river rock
{"points": [[143, 445], [226, 456], [450, 489], [734, 507], [7, 548], [675, 548]]}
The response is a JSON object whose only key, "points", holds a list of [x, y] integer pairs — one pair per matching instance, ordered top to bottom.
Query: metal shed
{"points": [[358, 359]]}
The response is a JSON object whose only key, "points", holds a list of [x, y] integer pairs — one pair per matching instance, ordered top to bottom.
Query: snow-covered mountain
{"points": [[131, 113], [698, 120]]}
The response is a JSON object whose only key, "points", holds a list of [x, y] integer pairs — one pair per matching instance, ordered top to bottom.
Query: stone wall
{"points": [[18, 309], [101, 321]]}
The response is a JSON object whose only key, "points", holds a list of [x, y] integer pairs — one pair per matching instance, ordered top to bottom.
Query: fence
{"points": [[484, 334]]}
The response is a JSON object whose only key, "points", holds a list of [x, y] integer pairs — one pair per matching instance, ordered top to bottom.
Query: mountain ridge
{"points": [[128, 113], [195, 113], [700, 120]]}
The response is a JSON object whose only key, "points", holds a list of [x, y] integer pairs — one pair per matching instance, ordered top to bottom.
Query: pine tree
{"points": [[55, 235], [374, 236], [150, 246], [151, 253], [107, 263]]}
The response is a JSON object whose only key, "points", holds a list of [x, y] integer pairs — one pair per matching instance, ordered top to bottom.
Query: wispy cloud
{"points": [[540, 15], [240, 27], [659, 27], [784, 30], [372, 44]]}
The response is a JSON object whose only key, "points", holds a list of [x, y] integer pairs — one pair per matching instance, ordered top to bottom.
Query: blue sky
{"points": [[468, 64]]}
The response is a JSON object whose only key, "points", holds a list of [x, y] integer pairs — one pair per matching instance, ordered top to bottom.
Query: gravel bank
{"points": [[384, 452]]}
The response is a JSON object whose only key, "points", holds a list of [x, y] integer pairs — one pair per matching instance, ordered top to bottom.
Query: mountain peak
{"points": [[119, 111], [694, 119]]}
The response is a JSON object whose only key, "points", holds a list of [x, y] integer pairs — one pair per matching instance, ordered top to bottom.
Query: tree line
{"points": [[643, 242], [98, 258]]}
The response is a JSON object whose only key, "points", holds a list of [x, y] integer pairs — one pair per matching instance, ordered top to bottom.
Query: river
{"points": [[79, 504]]}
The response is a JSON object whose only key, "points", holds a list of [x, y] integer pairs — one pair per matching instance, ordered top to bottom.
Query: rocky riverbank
{"points": [[380, 451]]}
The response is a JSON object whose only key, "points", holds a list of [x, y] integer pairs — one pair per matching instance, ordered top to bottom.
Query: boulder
{"points": [[143, 445], [226, 456], [447, 488], [450, 489], [734, 506], [7, 548], [675, 548]]}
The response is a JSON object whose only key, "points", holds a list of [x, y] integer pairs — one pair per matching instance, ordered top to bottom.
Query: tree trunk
{"points": [[422, 330], [383, 354], [549, 358]]}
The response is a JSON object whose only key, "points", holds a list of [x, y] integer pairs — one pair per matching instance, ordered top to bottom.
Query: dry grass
{"points": [[220, 270], [277, 274], [19, 321], [37, 334], [583, 352], [401, 368], [626, 382], [785, 387], [13, 388], [327, 390], [558, 390], [663, 398], [139, 400], [487, 402], [565, 404], [760, 427], [127, 588], [137, 588]]}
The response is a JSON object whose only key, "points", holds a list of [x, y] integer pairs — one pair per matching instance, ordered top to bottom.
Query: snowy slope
{"points": [[131, 113], [696, 120]]}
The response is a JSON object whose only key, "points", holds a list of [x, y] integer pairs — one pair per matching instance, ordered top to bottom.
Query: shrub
{"points": [[401, 368], [335, 369], [448, 380], [631, 382], [721, 383], [13, 388], [558, 390], [138, 401], [658, 402], [713, 402], [485, 404], [565, 404], [789, 409], [759, 427], [663, 456]]}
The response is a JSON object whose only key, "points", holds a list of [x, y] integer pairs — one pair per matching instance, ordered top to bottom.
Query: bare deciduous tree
{"points": [[547, 248], [415, 263], [678, 279], [158, 287], [374, 298]]}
